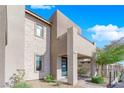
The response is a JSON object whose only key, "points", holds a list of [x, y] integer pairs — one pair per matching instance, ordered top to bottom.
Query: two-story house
{"points": [[41, 47]]}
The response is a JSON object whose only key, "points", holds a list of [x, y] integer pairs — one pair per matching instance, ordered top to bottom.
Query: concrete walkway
{"points": [[82, 83], [86, 83]]}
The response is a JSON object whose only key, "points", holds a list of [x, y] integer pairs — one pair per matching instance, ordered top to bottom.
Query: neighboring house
{"points": [[27, 41]]}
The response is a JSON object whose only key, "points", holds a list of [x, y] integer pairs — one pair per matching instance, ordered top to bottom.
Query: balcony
{"points": [[80, 45]]}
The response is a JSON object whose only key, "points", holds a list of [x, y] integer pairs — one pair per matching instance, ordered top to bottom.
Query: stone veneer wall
{"points": [[35, 45]]}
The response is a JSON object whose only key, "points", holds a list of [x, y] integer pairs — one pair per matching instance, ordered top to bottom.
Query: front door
{"points": [[64, 66]]}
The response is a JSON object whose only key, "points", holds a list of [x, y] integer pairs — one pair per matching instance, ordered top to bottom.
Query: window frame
{"points": [[41, 31], [35, 64]]}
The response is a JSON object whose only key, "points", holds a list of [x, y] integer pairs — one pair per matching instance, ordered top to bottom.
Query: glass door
{"points": [[64, 66]]}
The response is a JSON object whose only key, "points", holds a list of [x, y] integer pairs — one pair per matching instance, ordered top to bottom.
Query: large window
{"points": [[39, 31], [38, 62]]}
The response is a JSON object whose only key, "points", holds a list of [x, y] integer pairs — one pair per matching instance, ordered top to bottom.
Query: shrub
{"points": [[81, 71], [17, 77], [49, 78], [17, 80], [98, 80], [22, 85]]}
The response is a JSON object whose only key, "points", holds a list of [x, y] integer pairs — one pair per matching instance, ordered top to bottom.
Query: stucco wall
{"points": [[60, 23], [63, 23], [60, 26], [3, 29], [35, 45], [62, 45], [83, 46], [14, 52], [53, 52]]}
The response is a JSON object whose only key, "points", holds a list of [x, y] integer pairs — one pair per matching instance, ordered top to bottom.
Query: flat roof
{"points": [[36, 16], [49, 23]]}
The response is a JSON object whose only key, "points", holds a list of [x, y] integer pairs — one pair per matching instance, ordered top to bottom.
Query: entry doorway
{"points": [[64, 65]]}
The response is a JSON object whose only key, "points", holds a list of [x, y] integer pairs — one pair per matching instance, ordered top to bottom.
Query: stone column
{"points": [[72, 57], [59, 68]]}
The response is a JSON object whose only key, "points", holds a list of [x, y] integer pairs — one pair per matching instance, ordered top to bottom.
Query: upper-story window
{"points": [[39, 31]]}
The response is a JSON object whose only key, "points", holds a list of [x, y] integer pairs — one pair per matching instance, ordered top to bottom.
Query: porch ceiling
{"points": [[80, 56]]}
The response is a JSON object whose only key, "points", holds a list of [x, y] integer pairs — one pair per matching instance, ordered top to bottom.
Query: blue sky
{"points": [[100, 24]]}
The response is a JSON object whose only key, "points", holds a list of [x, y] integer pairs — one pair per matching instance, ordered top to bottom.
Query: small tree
{"points": [[110, 54], [102, 59]]}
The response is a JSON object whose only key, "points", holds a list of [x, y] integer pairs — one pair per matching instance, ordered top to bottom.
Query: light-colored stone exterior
{"points": [[36, 45]]}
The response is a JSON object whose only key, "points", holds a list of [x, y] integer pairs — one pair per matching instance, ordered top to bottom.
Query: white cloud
{"points": [[42, 7], [107, 33]]}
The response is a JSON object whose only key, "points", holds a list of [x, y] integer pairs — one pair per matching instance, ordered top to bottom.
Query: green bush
{"points": [[81, 71], [17, 77], [49, 78], [17, 80], [98, 80], [22, 85]]}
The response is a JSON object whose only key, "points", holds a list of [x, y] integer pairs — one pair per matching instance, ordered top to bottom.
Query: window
{"points": [[39, 31], [38, 63]]}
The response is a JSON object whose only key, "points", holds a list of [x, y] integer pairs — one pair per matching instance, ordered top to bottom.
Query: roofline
{"points": [[36, 16], [49, 23], [77, 26]]}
